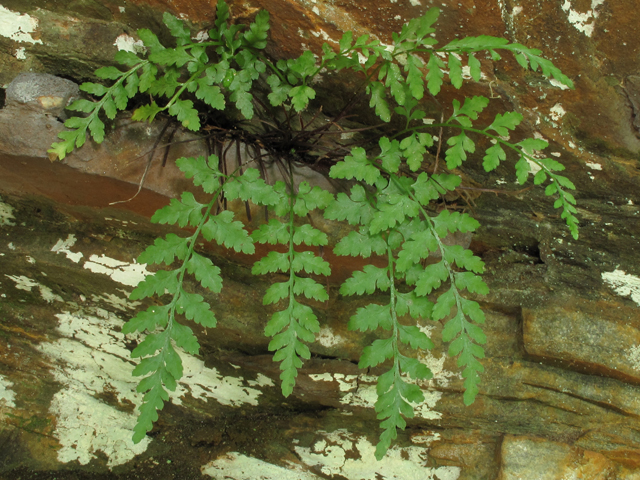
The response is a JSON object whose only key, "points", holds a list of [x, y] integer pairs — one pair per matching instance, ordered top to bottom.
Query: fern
{"points": [[388, 205], [397, 225], [296, 324]]}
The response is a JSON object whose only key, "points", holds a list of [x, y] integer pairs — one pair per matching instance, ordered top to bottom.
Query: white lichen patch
{"points": [[583, 22], [17, 27], [325, 36], [129, 44], [558, 84], [557, 112], [594, 165], [6, 215], [63, 246], [122, 272], [26, 284], [623, 284], [115, 301], [326, 338], [633, 355], [92, 360], [441, 377], [261, 381], [202, 383], [7, 396], [85, 425], [426, 438], [343, 453], [240, 467]]}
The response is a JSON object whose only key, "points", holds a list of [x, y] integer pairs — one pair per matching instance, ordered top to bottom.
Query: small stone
{"points": [[41, 91]]}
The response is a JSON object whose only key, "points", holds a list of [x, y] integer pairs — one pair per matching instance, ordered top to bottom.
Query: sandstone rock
{"points": [[24, 131], [69, 264], [597, 337], [560, 391], [524, 457]]}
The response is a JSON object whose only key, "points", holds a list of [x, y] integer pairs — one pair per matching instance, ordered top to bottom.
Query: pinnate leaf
{"points": [[177, 28], [475, 68], [455, 70], [106, 73], [434, 75], [96, 89], [279, 91], [210, 94], [300, 96], [379, 101], [184, 111], [146, 112], [505, 122], [459, 145], [493, 156], [357, 166], [522, 170], [204, 172], [249, 186], [311, 199], [355, 208], [182, 212], [447, 221], [225, 231], [273, 233], [309, 236], [360, 244], [165, 250], [463, 258], [270, 263], [310, 263], [205, 272], [431, 278], [368, 280], [473, 283], [156, 284], [309, 288], [276, 292], [416, 306], [443, 306], [195, 308], [371, 317], [149, 319], [413, 336], [185, 339], [376, 353], [152, 401]]}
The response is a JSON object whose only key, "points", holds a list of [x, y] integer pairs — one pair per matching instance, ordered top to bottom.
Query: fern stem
{"points": [[183, 88]]}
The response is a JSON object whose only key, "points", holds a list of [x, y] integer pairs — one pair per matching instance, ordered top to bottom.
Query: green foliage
{"points": [[233, 68], [389, 204], [295, 323]]}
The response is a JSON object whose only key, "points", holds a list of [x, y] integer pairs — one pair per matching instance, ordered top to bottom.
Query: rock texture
{"points": [[561, 392]]}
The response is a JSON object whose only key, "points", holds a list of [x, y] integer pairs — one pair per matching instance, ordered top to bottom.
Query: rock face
{"points": [[560, 396]]}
